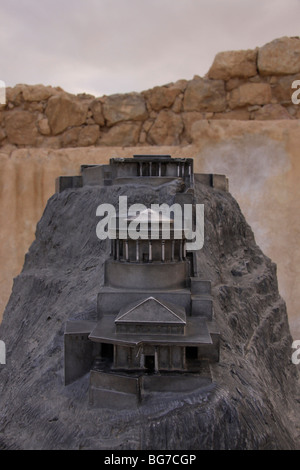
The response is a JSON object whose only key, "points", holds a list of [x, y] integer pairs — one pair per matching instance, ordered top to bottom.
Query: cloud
{"points": [[110, 46]]}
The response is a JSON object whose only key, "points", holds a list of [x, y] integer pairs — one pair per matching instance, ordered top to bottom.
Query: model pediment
{"points": [[151, 310]]}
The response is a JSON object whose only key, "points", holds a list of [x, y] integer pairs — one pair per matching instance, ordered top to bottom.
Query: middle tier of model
{"points": [[148, 251]]}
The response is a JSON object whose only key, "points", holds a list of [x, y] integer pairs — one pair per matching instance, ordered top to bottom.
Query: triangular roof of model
{"points": [[151, 310]]}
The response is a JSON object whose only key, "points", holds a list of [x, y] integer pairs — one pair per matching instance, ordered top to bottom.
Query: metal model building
{"points": [[155, 331]]}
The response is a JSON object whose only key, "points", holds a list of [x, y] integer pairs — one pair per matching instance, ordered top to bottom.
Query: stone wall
{"points": [[240, 85], [258, 152]]}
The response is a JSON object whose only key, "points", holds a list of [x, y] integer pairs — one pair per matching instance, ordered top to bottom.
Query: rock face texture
{"points": [[237, 86], [254, 403]]}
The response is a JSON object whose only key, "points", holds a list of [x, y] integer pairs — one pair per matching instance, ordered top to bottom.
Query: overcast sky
{"points": [[110, 46]]}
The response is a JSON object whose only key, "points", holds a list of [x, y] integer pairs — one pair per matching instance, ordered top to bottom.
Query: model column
{"points": [[126, 250], [173, 250], [150, 251], [163, 251], [156, 367]]}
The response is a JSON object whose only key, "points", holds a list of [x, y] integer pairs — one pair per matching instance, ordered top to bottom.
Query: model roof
{"points": [[151, 310]]}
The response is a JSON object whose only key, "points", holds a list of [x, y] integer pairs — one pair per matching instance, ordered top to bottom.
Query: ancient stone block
{"points": [[279, 57], [233, 64], [234, 83], [181, 84], [37, 92], [202, 94], [250, 94], [161, 97], [177, 105], [124, 107], [272, 111], [63, 112], [97, 112], [147, 125], [43, 126], [21, 128], [167, 129], [124, 134], [88, 135], [70, 137]]}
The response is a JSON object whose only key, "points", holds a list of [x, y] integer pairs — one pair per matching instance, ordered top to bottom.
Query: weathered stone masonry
{"points": [[241, 85]]}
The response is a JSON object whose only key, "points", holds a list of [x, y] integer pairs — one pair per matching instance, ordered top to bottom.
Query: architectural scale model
{"points": [[155, 332]]}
